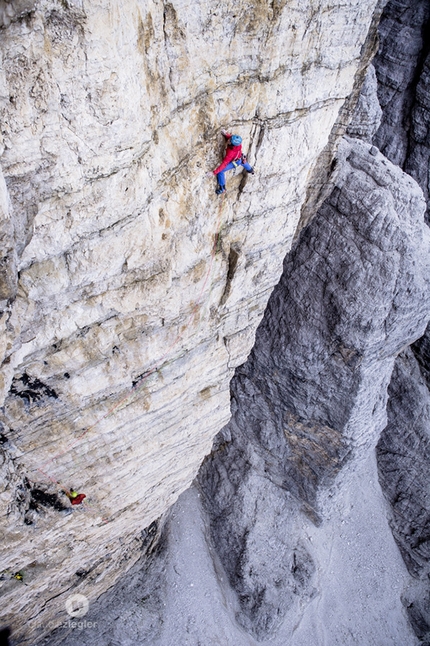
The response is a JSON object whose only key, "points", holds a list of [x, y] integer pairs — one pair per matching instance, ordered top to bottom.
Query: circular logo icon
{"points": [[77, 605]]}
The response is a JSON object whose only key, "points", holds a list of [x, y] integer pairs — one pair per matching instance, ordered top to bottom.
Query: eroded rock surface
{"points": [[402, 66], [402, 69], [368, 113], [418, 161], [130, 294], [421, 350], [310, 401], [403, 458], [403, 461]]}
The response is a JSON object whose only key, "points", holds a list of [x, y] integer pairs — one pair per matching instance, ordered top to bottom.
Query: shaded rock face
{"points": [[403, 73], [367, 114], [418, 161], [129, 295], [421, 350], [311, 398], [403, 454], [403, 457], [251, 519]]}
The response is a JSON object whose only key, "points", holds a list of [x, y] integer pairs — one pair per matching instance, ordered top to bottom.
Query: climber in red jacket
{"points": [[233, 158]]}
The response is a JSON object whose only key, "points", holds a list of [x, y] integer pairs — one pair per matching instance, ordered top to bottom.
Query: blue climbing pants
{"points": [[221, 175]]}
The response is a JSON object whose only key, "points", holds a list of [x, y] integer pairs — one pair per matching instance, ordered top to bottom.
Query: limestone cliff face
{"points": [[129, 293], [294, 541]]}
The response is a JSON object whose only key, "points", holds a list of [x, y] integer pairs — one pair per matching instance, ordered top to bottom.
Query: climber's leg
{"points": [[221, 178]]}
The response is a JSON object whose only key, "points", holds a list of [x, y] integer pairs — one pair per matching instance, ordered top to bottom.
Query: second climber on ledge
{"points": [[232, 159]]}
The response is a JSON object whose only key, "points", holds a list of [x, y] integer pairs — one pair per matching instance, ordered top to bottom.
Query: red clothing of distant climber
{"points": [[233, 153], [76, 500]]}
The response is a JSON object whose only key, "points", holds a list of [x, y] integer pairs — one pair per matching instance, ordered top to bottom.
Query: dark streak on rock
{"points": [[31, 389]]}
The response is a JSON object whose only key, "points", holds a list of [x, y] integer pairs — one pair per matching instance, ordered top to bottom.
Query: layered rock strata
{"points": [[354, 291], [129, 294]]}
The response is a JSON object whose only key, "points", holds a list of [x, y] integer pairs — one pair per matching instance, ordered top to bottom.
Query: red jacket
{"points": [[233, 153], [78, 499]]}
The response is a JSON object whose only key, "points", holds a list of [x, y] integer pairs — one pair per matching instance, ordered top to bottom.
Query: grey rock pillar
{"points": [[311, 399]]}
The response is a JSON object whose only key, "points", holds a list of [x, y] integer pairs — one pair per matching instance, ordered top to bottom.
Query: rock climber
{"points": [[232, 159], [75, 497]]}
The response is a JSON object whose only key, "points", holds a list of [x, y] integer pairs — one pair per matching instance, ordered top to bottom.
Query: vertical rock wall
{"points": [[402, 68], [129, 294], [307, 409], [403, 462]]}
